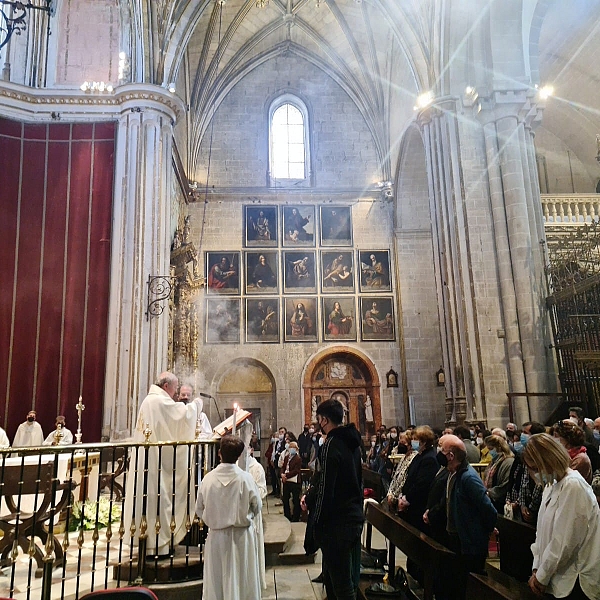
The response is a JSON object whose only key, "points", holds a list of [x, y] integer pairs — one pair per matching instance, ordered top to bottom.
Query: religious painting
{"points": [[260, 226], [298, 226], [336, 226], [337, 271], [375, 271], [223, 272], [261, 272], [299, 272], [339, 319], [377, 319], [262, 320], [301, 320], [222, 321]]}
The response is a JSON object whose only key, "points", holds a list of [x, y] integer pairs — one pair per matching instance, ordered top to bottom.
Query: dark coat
{"points": [[419, 478]]}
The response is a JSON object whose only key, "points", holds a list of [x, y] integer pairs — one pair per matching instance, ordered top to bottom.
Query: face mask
{"points": [[31, 419], [574, 420], [311, 431], [472, 432], [393, 435], [596, 435], [281, 437], [314, 438], [524, 439], [320, 441], [479, 441], [372, 444], [415, 445], [287, 446], [518, 446], [402, 449], [293, 451], [494, 453], [442, 459], [543, 478]]}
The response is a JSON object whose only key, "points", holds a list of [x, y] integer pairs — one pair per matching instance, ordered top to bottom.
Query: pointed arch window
{"points": [[288, 141]]}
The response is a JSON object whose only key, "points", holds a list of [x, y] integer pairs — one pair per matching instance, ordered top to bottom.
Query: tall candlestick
{"points": [[80, 408], [235, 409]]}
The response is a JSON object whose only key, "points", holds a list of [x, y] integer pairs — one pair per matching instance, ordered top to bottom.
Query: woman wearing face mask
{"points": [[571, 436], [373, 460], [401, 471], [497, 476], [292, 483], [524, 494], [566, 552]]}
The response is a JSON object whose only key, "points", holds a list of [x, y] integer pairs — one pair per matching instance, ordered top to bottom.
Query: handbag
{"points": [[508, 511], [399, 591]]}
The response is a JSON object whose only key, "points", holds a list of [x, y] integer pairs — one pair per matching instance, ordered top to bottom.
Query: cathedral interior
{"points": [[285, 201]]}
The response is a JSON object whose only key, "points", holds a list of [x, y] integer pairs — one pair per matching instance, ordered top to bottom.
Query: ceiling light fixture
{"points": [[96, 87], [546, 92]]}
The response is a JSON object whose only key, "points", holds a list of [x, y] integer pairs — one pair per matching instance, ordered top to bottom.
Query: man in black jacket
{"points": [[338, 508]]}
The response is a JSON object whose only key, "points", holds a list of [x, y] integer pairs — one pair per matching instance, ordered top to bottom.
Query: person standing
{"points": [[171, 421], [29, 433], [64, 439], [304, 444], [277, 452], [292, 483], [228, 503], [338, 503], [471, 516], [566, 552]]}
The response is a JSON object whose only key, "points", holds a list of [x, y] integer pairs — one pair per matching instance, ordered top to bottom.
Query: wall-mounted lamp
{"points": [[90, 87], [391, 378], [440, 378]]}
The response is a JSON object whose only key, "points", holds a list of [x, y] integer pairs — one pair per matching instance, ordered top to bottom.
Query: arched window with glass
{"points": [[288, 141]]}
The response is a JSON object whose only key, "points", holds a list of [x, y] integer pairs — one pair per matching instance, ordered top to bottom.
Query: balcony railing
{"points": [[570, 209], [75, 519]]}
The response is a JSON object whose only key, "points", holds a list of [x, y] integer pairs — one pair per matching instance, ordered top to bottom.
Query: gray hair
{"points": [[165, 378]]}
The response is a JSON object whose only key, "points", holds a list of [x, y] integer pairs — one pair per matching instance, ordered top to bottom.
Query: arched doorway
{"points": [[346, 375], [251, 385]]}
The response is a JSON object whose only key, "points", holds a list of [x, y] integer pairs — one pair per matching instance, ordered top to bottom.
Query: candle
{"points": [[235, 409]]}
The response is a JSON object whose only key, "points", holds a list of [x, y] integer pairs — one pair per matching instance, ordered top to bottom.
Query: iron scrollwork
{"points": [[13, 14], [159, 289]]}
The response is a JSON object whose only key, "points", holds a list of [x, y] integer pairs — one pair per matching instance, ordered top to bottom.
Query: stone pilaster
{"points": [[141, 240]]}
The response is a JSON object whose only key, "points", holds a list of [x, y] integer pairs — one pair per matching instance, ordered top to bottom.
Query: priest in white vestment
{"points": [[169, 421], [29, 433], [64, 439], [228, 503]]}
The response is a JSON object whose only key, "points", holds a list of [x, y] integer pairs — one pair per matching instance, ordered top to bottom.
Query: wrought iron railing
{"points": [[75, 519]]}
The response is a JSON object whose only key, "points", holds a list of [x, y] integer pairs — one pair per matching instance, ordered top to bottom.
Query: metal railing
{"points": [[570, 209], [75, 519]]}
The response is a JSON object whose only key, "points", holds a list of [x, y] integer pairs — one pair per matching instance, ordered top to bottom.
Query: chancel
{"points": [[388, 203]]}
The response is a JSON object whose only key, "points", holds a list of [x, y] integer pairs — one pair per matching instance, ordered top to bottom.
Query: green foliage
{"points": [[84, 515]]}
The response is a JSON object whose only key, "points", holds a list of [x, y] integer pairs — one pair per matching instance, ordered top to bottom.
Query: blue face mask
{"points": [[596, 435], [524, 439], [415, 445], [518, 446], [292, 451], [494, 453], [543, 479]]}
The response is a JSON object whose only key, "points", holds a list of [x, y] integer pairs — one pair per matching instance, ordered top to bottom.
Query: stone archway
{"points": [[349, 376], [249, 383]]}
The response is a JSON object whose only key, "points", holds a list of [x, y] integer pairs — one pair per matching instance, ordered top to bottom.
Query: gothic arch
{"points": [[348, 372]]}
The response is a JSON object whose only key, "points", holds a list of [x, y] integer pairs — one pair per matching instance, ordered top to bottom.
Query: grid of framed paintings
{"points": [[298, 279]]}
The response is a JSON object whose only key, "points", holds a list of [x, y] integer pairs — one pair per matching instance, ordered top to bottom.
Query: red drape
{"points": [[56, 183]]}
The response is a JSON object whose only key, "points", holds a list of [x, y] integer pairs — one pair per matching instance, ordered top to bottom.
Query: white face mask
{"points": [[574, 420], [311, 431], [393, 435], [281, 436], [321, 441], [372, 444]]}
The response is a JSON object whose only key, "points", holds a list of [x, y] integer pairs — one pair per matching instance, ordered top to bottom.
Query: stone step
{"points": [[293, 553]]}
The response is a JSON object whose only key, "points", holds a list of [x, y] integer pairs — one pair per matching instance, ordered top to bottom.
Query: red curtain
{"points": [[56, 183]]}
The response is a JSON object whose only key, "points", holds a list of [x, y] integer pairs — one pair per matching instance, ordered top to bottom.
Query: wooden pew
{"points": [[372, 479], [515, 539], [431, 556], [497, 586]]}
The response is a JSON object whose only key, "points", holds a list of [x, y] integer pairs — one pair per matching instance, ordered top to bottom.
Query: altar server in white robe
{"points": [[169, 421], [29, 433], [64, 439], [258, 474], [228, 503]]}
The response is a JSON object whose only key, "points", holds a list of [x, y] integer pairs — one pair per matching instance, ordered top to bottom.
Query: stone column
{"points": [[141, 240]]}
